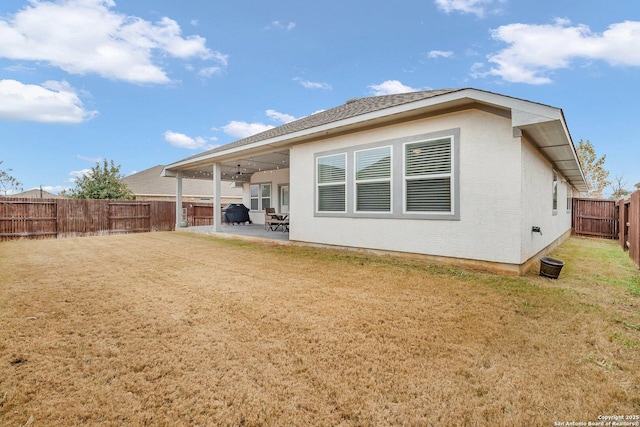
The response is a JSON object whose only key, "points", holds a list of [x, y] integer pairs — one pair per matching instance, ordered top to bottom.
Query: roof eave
{"points": [[435, 103], [531, 117], [551, 136]]}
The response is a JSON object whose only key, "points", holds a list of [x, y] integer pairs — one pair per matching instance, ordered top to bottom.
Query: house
{"points": [[458, 175], [150, 185], [37, 193]]}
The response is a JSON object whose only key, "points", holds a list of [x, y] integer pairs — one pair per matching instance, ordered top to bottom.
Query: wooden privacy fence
{"points": [[198, 213], [51, 218], [596, 218], [611, 220], [629, 234]]}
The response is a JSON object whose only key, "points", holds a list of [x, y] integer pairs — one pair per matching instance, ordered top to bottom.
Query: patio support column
{"points": [[178, 199], [217, 204]]}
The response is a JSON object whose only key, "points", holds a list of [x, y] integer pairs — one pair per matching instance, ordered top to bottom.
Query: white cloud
{"points": [[477, 7], [277, 25], [88, 36], [536, 50], [440, 54], [222, 58], [19, 68], [478, 70], [209, 71], [313, 85], [390, 87], [52, 102], [281, 117], [240, 129], [183, 141], [90, 159], [74, 175], [55, 189]]}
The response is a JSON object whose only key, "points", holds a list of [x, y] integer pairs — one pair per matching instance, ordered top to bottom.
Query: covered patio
{"points": [[218, 166], [251, 231]]}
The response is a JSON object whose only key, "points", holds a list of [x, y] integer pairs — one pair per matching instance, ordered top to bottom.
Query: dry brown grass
{"points": [[179, 329]]}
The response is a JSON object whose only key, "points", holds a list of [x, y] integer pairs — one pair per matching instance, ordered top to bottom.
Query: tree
{"points": [[593, 167], [102, 183], [8, 184], [618, 190]]}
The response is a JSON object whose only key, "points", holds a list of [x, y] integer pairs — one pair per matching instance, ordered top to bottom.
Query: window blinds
{"points": [[428, 176]]}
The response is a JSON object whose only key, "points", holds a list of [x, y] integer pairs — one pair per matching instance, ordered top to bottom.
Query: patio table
{"points": [[279, 220]]}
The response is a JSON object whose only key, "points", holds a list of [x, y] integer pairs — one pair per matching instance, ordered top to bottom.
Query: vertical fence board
{"points": [[199, 214], [163, 215], [129, 217], [51, 218], [595, 218], [27, 219], [634, 227], [623, 228]]}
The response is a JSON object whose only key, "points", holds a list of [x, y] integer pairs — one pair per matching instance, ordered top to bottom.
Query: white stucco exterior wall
{"points": [[537, 203], [490, 223]]}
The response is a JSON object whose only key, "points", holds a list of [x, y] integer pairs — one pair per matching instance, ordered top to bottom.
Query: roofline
{"points": [[523, 113], [328, 128], [299, 136]]}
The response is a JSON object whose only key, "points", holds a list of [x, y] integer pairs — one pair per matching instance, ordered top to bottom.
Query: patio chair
{"points": [[268, 217]]}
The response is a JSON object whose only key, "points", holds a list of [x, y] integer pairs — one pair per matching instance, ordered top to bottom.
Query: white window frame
{"points": [[450, 175], [373, 180], [319, 185], [261, 187], [398, 187], [554, 193]]}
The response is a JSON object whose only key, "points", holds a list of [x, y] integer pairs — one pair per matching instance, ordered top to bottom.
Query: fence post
{"points": [[633, 221]]}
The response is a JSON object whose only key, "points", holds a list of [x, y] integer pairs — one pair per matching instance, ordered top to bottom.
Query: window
{"points": [[427, 176], [409, 177], [373, 180], [331, 183], [555, 192], [260, 196], [265, 196], [255, 199]]}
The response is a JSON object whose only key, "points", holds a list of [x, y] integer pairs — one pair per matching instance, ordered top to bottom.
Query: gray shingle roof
{"points": [[352, 108]]}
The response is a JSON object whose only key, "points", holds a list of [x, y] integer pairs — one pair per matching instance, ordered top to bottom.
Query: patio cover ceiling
{"points": [[239, 169]]}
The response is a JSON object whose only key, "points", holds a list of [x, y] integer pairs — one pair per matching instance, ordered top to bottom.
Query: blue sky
{"points": [[150, 82]]}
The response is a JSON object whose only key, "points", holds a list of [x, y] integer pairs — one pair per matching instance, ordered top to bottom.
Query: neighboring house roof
{"points": [[544, 125], [149, 182], [37, 193]]}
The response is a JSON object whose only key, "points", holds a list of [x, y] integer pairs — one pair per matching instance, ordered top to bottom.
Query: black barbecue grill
{"points": [[235, 213]]}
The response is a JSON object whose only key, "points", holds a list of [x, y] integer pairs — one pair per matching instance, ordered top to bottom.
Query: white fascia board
{"points": [[459, 97], [524, 110], [521, 118], [325, 129], [168, 173]]}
